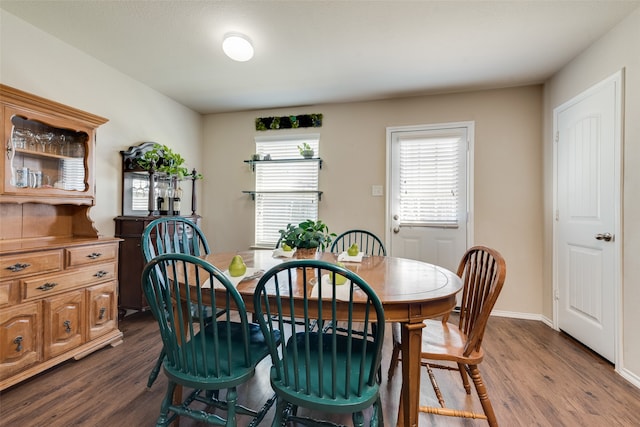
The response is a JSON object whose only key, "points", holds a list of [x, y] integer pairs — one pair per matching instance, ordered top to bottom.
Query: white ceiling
{"points": [[310, 52]]}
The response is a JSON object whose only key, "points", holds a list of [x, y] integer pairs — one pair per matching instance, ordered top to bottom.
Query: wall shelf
{"points": [[253, 163], [253, 193]]}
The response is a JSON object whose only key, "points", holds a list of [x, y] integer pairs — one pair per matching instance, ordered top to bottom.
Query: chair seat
{"points": [[446, 342], [227, 372], [324, 399]]}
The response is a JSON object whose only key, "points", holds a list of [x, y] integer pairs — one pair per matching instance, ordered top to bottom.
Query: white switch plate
{"points": [[376, 190]]}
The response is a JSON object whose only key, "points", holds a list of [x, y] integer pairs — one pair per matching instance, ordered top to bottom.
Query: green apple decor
{"points": [[286, 247], [353, 250], [237, 267], [340, 279]]}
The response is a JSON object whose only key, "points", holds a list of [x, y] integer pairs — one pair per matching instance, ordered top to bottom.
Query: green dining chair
{"points": [[171, 234], [367, 242], [203, 354], [324, 372]]}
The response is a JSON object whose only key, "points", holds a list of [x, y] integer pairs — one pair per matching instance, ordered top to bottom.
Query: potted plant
{"points": [[305, 150], [162, 159], [166, 169], [307, 237]]}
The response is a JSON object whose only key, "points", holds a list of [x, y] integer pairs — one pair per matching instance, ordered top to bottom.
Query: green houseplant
{"points": [[305, 150], [162, 159], [307, 236]]}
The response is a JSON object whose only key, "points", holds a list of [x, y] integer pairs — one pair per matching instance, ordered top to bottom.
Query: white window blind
{"points": [[429, 181], [286, 192]]}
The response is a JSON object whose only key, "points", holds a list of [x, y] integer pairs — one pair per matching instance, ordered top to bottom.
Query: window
{"points": [[429, 180], [286, 192]]}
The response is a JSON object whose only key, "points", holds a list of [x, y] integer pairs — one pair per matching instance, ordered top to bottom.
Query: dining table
{"points": [[411, 291]]}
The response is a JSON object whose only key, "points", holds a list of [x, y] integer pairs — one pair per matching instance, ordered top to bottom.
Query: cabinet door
{"points": [[46, 156], [103, 309], [63, 316], [20, 338]]}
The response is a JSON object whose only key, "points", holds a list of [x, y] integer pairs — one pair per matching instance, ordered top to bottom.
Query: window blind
{"points": [[429, 181], [281, 187]]}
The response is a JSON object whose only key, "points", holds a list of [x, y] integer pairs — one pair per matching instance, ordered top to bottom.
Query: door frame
{"points": [[618, 79], [470, 126]]}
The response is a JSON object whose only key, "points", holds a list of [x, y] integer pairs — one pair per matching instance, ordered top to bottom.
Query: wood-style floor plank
{"points": [[535, 377]]}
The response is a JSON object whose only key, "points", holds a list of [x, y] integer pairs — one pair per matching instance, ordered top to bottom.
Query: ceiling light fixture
{"points": [[237, 47]]}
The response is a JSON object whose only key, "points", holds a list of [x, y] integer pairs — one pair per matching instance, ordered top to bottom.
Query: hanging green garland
{"points": [[289, 122]]}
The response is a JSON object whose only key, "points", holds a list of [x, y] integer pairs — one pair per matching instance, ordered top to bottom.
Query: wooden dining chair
{"points": [[171, 234], [368, 242], [483, 272], [203, 354], [325, 372]]}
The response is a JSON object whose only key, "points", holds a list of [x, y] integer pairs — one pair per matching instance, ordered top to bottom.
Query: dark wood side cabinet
{"points": [[131, 261]]}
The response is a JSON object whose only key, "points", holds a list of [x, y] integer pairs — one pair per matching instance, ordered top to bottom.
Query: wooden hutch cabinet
{"points": [[58, 277]]}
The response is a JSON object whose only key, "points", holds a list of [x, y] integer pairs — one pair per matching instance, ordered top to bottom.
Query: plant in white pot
{"points": [[306, 150], [307, 237]]}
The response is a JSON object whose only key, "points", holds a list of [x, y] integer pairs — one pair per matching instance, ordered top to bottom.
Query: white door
{"points": [[428, 192], [587, 238]]}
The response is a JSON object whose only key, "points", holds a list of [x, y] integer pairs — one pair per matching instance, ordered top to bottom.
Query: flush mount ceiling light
{"points": [[237, 47]]}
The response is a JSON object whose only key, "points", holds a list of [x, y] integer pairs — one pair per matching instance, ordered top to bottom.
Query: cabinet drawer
{"points": [[91, 254], [26, 264], [52, 284]]}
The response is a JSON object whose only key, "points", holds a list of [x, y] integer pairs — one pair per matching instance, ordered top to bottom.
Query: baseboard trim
{"points": [[518, 315], [629, 376]]}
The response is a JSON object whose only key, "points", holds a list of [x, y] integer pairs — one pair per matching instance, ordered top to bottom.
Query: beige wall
{"points": [[619, 49], [35, 62], [512, 153], [508, 173]]}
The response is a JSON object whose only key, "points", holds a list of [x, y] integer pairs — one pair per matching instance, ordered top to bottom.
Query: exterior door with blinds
{"points": [[429, 192]]}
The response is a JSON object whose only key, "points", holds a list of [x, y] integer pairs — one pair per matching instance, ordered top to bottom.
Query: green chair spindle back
{"points": [[171, 235], [367, 242], [204, 354], [322, 371]]}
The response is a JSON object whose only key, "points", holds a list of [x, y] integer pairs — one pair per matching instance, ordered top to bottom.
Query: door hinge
{"points": [[557, 138], [557, 215], [556, 295]]}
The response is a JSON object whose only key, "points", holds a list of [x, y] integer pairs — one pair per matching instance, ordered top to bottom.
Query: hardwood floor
{"points": [[535, 377]]}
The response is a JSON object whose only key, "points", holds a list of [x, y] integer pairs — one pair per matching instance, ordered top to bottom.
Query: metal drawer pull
{"points": [[94, 255], [18, 267], [101, 273], [47, 286], [103, 310], [67, 326], [18, 342]]}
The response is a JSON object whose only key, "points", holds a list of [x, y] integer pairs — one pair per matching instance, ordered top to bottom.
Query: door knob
{"points": [[396, 230], [607, 237]]}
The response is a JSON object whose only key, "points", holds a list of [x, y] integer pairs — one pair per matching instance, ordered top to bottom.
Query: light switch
{"points": [[376, 190]]}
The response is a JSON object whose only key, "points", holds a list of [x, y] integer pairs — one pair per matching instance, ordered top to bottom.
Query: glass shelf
{"points": [[253, 163], [253, 193]]}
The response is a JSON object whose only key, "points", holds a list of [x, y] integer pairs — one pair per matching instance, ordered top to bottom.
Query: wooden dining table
{"points": [[410, 291]]}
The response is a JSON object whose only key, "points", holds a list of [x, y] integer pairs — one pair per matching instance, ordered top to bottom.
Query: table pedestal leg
{"points": [[410, 397]]}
